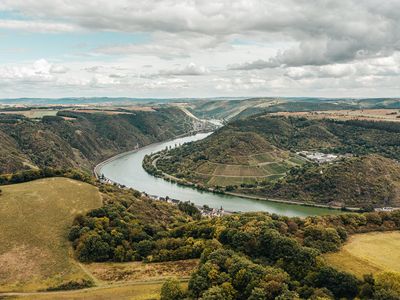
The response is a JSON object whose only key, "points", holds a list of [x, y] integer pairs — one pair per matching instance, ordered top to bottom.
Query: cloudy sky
{"points": [[199, 48]]}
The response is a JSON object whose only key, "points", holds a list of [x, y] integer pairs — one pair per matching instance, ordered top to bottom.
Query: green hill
{"points": [[80, 139], [250, 155], [229, 158], [368, 181], [36, 219]]}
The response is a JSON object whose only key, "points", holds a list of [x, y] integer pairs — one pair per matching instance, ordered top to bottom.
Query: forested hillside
{"points": [[80, 139], [255, 156], [366, 182], [243, 256]]}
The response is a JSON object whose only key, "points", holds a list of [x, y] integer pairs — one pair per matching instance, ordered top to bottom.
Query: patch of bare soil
{"points": [[20, 264]]}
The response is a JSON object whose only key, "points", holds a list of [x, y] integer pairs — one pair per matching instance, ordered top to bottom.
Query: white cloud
{"points": [[37, 26], [326, 32], [253, 47], [189, 70]]}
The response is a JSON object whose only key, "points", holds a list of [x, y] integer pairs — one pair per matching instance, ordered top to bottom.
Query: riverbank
{"points": [[97, 168], [127, 170], [353, 209]]}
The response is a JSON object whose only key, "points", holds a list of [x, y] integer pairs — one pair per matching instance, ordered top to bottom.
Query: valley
{"points": [[81, 138], [199, 150], [262, 156], [68, 235]]}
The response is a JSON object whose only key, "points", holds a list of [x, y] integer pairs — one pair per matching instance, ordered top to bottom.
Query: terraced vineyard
{"points": [[232, 159], [255, 168]]}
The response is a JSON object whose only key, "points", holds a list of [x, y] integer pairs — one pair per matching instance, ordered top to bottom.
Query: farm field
{"points": [[102, 111], [32, 113], [392, 115], [259, 167], [35, 216], [368, 253]]}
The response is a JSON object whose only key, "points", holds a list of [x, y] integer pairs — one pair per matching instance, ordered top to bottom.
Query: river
{"points": [[127, 170]]}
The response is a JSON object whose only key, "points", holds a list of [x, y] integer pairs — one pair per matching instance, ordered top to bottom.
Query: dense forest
{"points": [[357, 137], [79, 139], [367, 179], [365, 182], [242, 256]]}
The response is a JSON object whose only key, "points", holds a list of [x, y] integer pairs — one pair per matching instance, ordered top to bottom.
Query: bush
{"points": [[73, 285], [172, 290]]}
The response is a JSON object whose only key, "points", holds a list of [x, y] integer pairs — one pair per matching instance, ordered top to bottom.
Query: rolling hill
{"points": [[242, 108], [82, 139], [254, 155], [229, 158], [35, 218]]}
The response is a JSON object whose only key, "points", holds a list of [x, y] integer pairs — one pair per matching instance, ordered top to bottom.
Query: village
{"points": [[320, 157]]}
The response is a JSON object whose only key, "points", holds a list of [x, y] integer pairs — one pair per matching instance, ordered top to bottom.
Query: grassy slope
{"points": [[84, 140], [35, 219], [368, 253], [35, 254], [138, 271], [137, 291]]}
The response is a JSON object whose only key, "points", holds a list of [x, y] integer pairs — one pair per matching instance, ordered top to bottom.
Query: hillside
{"points": [[242, 108], [82, 139], [249, 155], [228, 158], [368, 181], [36, 219], [34, 222], [369, 253], [243, 256]]}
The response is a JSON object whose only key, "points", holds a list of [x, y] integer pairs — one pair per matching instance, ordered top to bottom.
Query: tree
{"points": [[321, 238], [92, 248], [341, 284], [387, 286], [172, 290], [223, 292]]}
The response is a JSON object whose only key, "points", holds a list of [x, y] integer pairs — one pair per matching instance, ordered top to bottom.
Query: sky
{"points": [[199, 48]]}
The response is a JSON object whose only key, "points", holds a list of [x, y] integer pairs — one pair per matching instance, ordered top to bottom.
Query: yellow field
{"points": [[32, 113], [34, 220], [368, 253], [134, 291]]}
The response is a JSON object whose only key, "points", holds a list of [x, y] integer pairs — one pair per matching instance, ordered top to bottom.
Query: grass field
{"points": [[33, 113], [390, 115], [34, 220], [368, 253], [138, 271], [134, 291]]}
